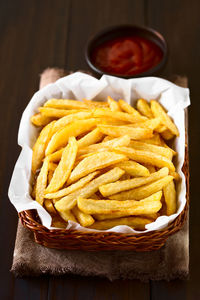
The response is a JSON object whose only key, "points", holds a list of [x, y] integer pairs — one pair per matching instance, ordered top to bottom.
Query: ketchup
{"points": [[129, 55]]}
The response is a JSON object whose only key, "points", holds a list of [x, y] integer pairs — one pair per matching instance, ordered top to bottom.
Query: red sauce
{"points": [[129, 55]]}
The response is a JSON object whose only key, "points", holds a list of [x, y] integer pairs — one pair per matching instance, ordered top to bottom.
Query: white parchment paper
{"points": [[77, 86]]}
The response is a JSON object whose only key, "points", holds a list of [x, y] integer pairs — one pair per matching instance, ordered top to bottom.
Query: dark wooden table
{"points": [[37, 34]]}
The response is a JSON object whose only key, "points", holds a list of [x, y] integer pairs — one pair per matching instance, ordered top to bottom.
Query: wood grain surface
{"points": [[37, 34]]}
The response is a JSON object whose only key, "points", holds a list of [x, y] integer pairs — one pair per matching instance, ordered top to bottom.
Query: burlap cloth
{"points": [[170, 262]]}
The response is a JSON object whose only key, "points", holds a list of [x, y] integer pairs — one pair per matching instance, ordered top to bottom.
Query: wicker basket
{"points": [[95, 241]]}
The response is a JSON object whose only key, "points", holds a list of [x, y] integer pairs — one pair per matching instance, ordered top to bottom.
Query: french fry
{"points": [[65, 104], [93, 104], [114, 106], [144, 108], [129, 109], [158, 111], [55, 112], [122, 116], [40, 120], [64, 121], [111, 121], [150, 124], [161, 128], [134, 133], [167, 135], [92, 137], [60, 138], [107, 138], [155, 140], [116, 142], [163, 144], [40, 146], [152, 148], [56, 156], [81, 157], [146, 157], [95, 162], [52, 166], [133, 168], [151, 168], [63, 171], [50, 176], [176, 176], [125, 177], [41, 182], [120, 186], [72, 188], [89, 189], [33, 190], [143, 191], [96, 196], [170, 198], [148, 205], [49, 206], [67, 215], [115, 215], [152, 216], [84, 219], [58, 222], [134, 222]]}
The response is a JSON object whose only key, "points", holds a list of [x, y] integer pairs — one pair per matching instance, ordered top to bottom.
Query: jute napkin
{"points": [[170, 262]]}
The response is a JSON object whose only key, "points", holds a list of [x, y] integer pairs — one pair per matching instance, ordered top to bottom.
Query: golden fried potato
{"points": [[65, 104], [93, 104], [114, 106], [144, 108], [129, 109], [158, 111], [55, 112], [122, 116], [40, 120], [64, 121], [150, 124], [137, 133], [167, 135], [60, 138], [91, 138], [116, 142], [40, 147], [152, 148], [146, 157], [95, 162], [133, 168], [63, 170], [41, 182], [119, 186], [72, 188], [143, 191], [170, 198], [69, 201], [148, 205], [50, 207], [67, 215], [116, 215], [84, 219], [58, 222], [134, 222]]}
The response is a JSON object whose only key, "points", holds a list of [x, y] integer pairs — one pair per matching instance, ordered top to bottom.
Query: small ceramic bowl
{"points": [[121, 31]]}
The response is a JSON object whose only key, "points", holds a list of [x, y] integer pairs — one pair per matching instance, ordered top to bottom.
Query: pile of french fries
{"points": [[103, 164]]}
